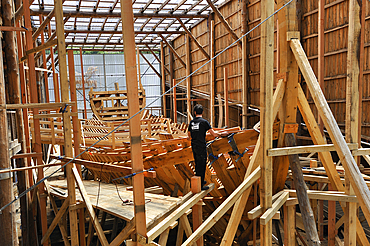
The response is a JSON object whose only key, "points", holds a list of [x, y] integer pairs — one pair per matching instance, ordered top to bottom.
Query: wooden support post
{"points": [[321, 51], [10, 58], [289, 69], [212, 73], [55, 76], [172, 76], [188, 80], [245, 81], [46, 82], [163, 82], [83, 84], [64, 85], [226, 96], [34, 99], [174, 101], [133, 107], [266, 114], [353, 114], [25, 122], [76, 124], [76, 135], [304, 202], [197, 209], [6, 218], [289, 225], [332, 232]]}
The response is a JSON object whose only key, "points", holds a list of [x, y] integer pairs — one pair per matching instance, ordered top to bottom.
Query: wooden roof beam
{"points": [[88, 14], [224, 22], [44, 24], [41, 28], [194, 39], [98, 43], [173, 50], [150, 65]]}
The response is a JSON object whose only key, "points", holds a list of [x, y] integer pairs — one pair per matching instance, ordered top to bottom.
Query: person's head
{"points": [[198, 109]]}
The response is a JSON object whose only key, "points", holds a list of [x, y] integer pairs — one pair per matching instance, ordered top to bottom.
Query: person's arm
{"points": [[214, 133]]}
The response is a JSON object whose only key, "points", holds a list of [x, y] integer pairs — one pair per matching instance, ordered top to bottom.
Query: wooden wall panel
{"points": [[336, 36]]}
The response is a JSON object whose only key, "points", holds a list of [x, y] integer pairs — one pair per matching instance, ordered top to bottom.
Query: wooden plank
{"points": [[45, 46], [36, 105], [134, 123], [306, 149], [26, 155], [352, 170], [89, 207], [224, 207], [257, 211], [267, 216], [56, 220], [62, 228], [159, 228], [124, 234], [163, 237]]}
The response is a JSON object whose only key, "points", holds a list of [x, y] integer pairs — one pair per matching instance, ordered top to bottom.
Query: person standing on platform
{"points": [[197, 130]]}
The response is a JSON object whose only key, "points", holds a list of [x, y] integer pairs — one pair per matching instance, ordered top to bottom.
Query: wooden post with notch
{"points": [[212, 73], [163, 82], [83, 84], [226, 96], [174, 101], [266, 105], [353, 114], [134, 124], [67, 127], [197, 209]]}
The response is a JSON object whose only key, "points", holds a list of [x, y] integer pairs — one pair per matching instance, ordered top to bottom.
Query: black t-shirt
{"points": [[198, 128]]}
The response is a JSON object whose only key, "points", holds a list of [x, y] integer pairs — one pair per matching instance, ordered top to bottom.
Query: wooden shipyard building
{"points": [[95, 101]]}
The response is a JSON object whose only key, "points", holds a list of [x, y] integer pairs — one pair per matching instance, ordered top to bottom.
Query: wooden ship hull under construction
{"points": [[167, 151]]}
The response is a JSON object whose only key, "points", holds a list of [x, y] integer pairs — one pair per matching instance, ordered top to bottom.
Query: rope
{"points": [[137, 113]]}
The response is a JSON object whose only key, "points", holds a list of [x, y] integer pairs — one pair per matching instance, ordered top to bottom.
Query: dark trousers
{"points": [[200, 159]]}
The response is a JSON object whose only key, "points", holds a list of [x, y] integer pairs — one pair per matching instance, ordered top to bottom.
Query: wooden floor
{"points": [[110, 202]]}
